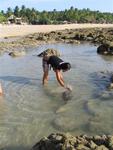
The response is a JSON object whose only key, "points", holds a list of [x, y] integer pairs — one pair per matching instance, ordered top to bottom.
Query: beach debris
{"points": [[49, 52], [17, 53]]}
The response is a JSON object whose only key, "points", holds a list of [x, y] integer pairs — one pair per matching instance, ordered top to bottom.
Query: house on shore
{"points": [[15, 20]]}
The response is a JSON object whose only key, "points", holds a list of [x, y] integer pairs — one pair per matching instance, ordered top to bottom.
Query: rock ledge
{"points": [[60, 141]]}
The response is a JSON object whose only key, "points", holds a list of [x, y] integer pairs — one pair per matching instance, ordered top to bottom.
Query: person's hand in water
{"points": [[68, 87]]}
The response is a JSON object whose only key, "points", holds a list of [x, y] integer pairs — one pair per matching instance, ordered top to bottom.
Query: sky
{"points": [[40, 5]]}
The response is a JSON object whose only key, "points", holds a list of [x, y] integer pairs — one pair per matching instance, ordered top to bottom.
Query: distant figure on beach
{"points": [[58, 65], [1, 92]]}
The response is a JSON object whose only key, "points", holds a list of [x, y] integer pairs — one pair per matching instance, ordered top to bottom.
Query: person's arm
{"points": [[59, 78], [61, 81]]}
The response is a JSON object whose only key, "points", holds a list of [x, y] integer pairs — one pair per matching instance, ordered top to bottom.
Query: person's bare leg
{"points": [[45, 78], [1, 91]]}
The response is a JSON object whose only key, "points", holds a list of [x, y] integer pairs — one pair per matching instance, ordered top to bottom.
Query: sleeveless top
{"points": [[55, 62]]}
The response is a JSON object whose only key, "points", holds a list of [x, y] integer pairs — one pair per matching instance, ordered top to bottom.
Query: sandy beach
{"points": [[20, 30]]}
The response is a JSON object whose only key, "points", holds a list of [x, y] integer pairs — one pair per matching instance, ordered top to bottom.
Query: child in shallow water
{"points": [[58, 65]]}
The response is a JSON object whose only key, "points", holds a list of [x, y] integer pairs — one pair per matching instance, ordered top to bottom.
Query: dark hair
{"points": [[65, 66]]}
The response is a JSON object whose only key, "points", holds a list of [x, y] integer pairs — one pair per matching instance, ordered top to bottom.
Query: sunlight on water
{"points": [[29, 111]]}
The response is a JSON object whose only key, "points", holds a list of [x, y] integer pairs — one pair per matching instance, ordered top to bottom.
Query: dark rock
{"points": [[103, 49], [61, 141]]}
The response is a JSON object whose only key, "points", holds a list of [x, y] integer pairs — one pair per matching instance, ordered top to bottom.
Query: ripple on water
{"points": [[71, 116], [101, 120]]}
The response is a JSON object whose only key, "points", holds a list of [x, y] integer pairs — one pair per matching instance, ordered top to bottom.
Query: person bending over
{"points": [[58, 65]]}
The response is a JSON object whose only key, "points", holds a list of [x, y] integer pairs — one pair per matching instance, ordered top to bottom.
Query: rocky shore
{"points": [[75, 36], [98, 36], [60, 141]]}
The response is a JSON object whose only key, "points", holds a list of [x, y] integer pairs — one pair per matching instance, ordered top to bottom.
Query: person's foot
{"points": [[68, 87]]}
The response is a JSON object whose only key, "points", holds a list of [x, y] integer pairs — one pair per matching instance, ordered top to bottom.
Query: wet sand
{"points": [[20, 30]]}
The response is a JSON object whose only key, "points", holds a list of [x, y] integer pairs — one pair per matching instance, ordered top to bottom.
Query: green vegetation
{"points": [[72, 15], [2, 17]]}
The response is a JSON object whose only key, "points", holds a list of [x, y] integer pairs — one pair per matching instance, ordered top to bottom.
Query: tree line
{"points": [[71, 15]]}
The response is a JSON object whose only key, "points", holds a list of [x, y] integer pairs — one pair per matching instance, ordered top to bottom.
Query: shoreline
{"points": [[22, 30], [96, 35]]}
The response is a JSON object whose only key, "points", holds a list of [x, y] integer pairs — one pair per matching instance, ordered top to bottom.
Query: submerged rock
{"points": [[105, 49], [17, 53], [103, 80], [67, 95], [64, 123]]}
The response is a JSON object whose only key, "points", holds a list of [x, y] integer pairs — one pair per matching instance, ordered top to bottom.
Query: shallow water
{"points": [[29, 111]]}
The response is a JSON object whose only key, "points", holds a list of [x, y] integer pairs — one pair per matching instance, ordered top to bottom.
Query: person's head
{"points": [[65, 67]]}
